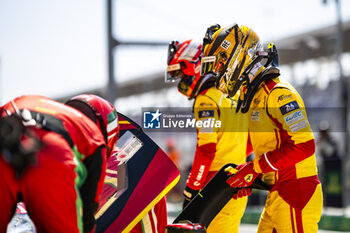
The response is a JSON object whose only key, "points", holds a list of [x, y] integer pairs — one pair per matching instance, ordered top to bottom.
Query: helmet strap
{"points": [[208, 38], [172, 49], [272, 56], [205, 82], [252, 87]]}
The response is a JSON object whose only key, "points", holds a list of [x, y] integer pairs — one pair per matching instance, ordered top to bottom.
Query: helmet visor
{"points": [[207, 64], [215, 64]]}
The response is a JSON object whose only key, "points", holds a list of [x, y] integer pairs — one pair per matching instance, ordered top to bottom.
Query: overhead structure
{"points": [[309, 45], [112, 90]]}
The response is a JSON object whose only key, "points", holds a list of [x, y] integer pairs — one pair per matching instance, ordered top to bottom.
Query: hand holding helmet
{"points": [[244, 177]]}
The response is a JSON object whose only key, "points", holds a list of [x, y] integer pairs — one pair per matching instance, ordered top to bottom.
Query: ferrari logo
{"points": [[248, 178]]}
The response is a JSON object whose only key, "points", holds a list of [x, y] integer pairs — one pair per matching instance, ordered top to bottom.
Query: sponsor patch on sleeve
{"points": [[283, 97], [204, 104], [289, 107], [206, 113], [255, 116], [294, 117], [298, 126]]}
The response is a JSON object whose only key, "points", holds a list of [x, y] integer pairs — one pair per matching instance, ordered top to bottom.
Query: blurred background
{"points": [[118, 49]]}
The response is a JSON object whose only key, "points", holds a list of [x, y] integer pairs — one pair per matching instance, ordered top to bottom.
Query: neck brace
{"points": [[251, 87]]}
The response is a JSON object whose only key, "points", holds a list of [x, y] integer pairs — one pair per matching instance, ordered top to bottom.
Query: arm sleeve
{"points": [[205, 109], [295, 141], [249, 149], [91, 189]]}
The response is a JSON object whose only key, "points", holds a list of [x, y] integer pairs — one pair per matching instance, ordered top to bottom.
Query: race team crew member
{"points": [[279, 131], [215, 146], [53, 158]]}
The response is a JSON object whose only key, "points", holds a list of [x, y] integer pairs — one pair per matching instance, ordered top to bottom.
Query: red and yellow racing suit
{"points": [[217, 146], [284, 150], [61, 191]]}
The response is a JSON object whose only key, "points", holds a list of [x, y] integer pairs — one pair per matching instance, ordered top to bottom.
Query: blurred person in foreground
{"points": [[279, 131], [216, 146], [53, 158]]}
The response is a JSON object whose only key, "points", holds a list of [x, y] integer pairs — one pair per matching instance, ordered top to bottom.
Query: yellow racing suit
{"points": [[217, 146], [284, 150]]}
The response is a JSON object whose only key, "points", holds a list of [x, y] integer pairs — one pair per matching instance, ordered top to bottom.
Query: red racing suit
{"points": [[217, 146], [284, 150], [61, 191]]}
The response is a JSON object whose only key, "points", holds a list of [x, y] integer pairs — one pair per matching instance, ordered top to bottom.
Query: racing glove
{"points": [[244, 177], [242, 193], [189, 195]]}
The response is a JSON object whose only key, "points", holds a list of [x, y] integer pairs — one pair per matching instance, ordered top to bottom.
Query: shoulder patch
{"points": [[283, 97], [203, 104], [289, 107], [206, 113], [294, 117], [298, 126]]}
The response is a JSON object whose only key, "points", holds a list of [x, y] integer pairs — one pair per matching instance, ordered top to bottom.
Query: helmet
{"points": [[227, 53], [184, 64], [102, 113]]}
